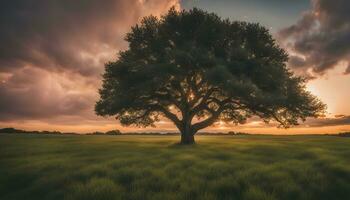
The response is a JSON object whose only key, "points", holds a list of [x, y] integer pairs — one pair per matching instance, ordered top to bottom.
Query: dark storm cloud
{"points": [[62, 35], [75, 35], [320, 40], [52, 52]]}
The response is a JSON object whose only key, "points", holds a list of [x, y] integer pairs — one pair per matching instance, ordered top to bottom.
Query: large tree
{"points": [[194, 68]]}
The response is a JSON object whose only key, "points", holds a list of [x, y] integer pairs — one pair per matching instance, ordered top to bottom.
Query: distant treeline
{"points": [[13, 130], [113, 132], [117, 132], [344, 134]]}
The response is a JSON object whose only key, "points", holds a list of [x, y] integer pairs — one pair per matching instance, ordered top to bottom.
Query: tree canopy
{"points": [[193, 64]]}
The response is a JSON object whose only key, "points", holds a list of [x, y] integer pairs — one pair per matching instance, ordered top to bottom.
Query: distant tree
{"points": [[195, 68], [11, 130], [113, 132], [97, 133], [231, 133], [344, 134]]}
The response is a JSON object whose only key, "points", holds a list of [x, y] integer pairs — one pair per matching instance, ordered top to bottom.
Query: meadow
{"points": [[250, 167]]}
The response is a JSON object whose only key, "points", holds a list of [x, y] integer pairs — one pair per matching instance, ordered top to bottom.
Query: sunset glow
{"points": [[51, 69]]}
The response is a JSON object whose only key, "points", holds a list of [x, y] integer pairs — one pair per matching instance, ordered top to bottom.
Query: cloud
{"points": [[76, 36], [319, 41], [52, 53], [32, 93], [338, 120]]}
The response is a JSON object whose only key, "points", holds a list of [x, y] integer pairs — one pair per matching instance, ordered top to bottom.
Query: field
{"points": [[155, 167]]}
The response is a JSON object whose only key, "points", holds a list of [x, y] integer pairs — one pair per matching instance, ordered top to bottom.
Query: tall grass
{"points": [[154, 167]]}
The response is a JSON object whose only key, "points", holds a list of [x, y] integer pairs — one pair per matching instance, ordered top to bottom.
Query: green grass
{"points": [[154, 167]]}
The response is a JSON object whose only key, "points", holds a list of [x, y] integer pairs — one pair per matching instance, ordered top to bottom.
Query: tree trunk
{"points": [[187, 134], [187, 138]]}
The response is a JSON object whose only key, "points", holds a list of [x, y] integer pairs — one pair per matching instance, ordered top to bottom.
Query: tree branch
{"points": [[203, 101], [168, 114], [214, 116]]}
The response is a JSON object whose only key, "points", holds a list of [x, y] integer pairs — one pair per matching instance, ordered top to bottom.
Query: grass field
{"points": [[154, 167]]}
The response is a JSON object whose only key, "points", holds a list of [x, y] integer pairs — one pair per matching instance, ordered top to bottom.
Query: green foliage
{"points": [[203, 67], [113, 132], [246, 167]]}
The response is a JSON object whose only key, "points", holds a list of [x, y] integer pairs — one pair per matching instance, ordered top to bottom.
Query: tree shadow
{"points": [[179, 145]]}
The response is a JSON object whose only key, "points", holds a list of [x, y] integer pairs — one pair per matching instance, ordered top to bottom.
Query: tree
{"points": [[195, 68], [113, 132]]}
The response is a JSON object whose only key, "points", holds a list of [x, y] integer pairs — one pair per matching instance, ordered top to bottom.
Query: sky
{"points": [[52, 56]]}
